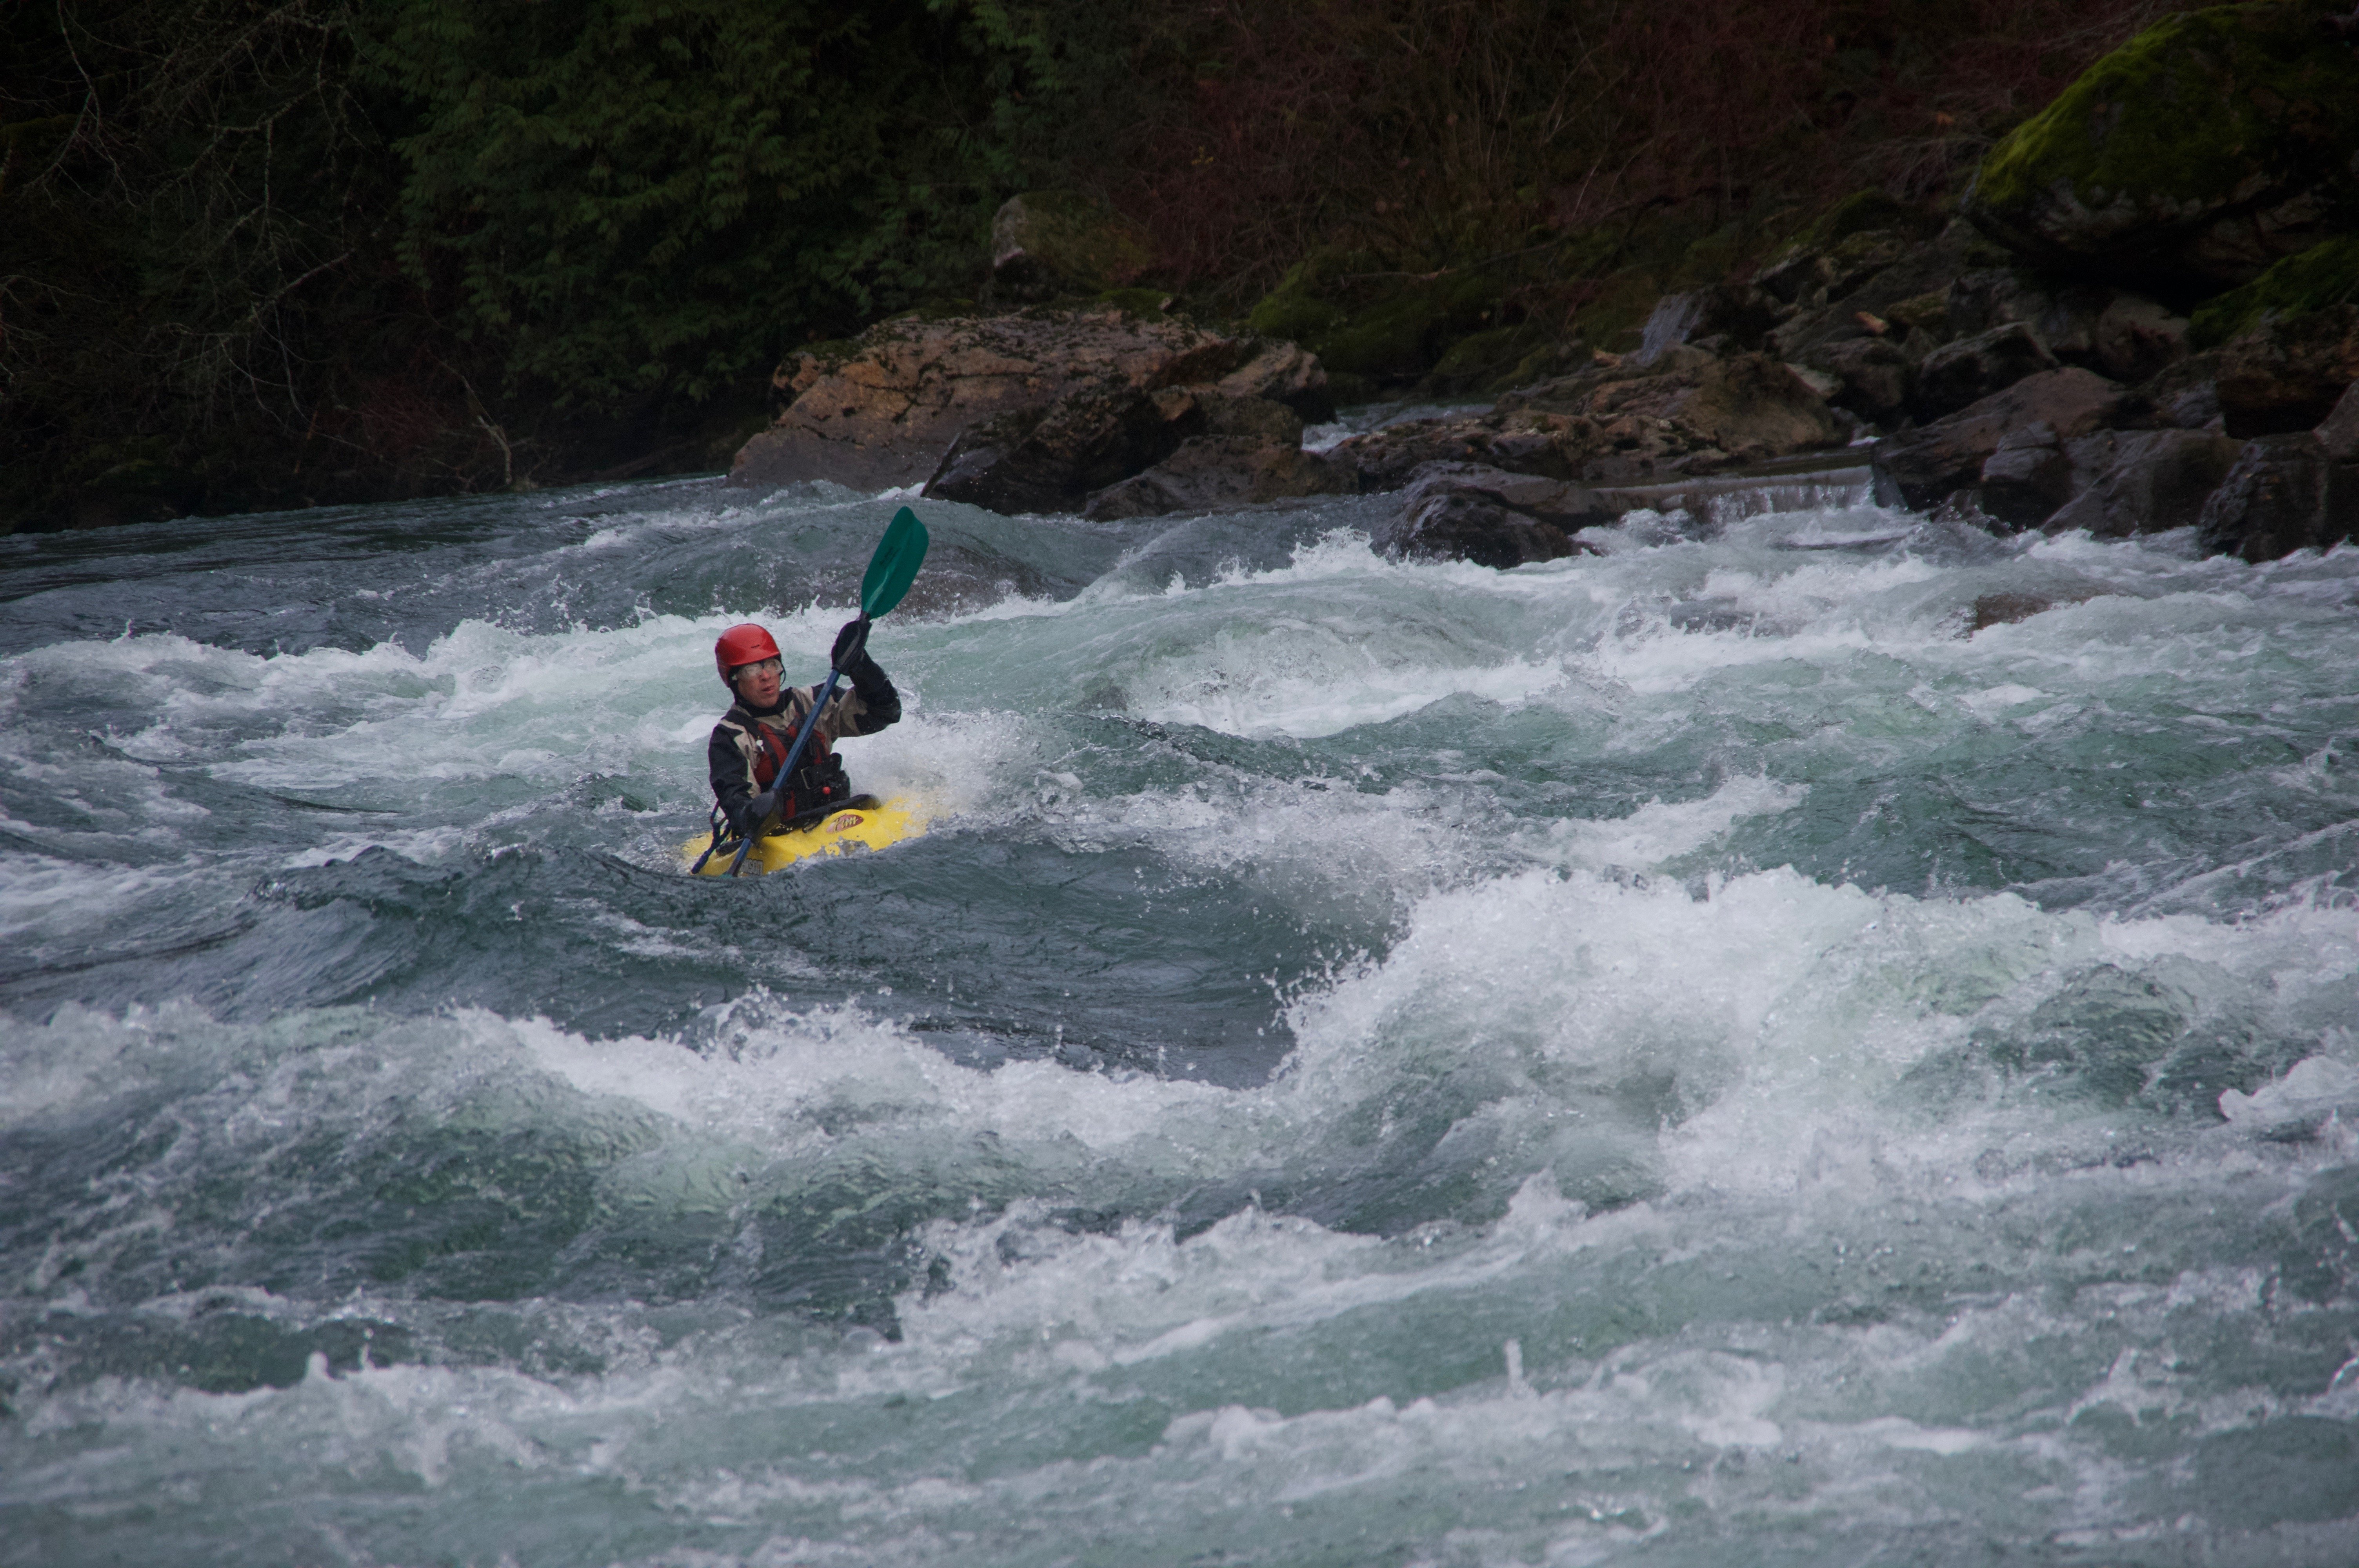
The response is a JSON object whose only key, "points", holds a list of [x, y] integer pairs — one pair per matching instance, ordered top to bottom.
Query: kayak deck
{"points": [[867, 824]]}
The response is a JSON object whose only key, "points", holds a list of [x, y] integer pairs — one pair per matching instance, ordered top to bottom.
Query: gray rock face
{"points": [[2064, 315], [2137, 338], [1971, 369], [1876, 373], [2281, 376], [2186, 395], [883, 408], [1687, 413], [2338, 434], [1250, 450], [1052, 459], [1049, 460], [1921, 468], [2028, 476], [2159, 479], [2283, 494], [1493, 518]]}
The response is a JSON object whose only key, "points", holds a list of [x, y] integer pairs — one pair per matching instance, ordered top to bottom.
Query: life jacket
{"points": [[765, 750]]}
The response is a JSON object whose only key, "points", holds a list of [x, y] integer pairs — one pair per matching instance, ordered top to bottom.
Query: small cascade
{"points": [[1675, 317]]}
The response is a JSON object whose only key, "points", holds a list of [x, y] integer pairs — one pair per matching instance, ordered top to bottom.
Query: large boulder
{"points": [[2190, 158], [1859, 236], [1045, 243], [1905, 297], [2064, 313], [2138, 338], [1969, 370], [2285, 373], [1877, 375], [2185, 395], [882, 409], [1689, 412], [2338, 433], [1249, 450], [1050, 459], [1923, 467], [2033, 470], [2159, 479], [2284, 494], [1471, 512]]}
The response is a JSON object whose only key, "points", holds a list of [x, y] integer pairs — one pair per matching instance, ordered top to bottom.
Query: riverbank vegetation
{"points": [[276, 252]]}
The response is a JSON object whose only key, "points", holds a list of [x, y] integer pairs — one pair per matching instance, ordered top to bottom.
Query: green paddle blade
{"points": [[895, 565]]}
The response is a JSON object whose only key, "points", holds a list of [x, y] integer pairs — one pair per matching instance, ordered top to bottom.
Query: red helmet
{"points": [[743, 645]]}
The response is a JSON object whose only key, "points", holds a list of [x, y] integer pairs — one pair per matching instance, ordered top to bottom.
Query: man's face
{"points": [[758, 684]]}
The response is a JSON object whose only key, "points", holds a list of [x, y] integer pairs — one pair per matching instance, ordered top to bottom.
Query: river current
{"points": [[1690, 1055]]}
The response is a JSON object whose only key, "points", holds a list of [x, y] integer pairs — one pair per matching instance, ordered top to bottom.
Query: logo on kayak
{"points": [[845, 822]]}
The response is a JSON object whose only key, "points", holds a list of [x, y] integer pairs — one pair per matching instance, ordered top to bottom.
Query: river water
{"points": [[1687, 1055]]}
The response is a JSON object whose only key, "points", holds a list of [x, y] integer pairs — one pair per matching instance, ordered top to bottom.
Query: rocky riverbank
{"points": [[2141, 315]]}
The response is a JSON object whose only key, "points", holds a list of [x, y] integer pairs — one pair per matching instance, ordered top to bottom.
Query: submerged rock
{"points": [[2190, 158], [885, 408], [2283, 494], [2006, 608]]}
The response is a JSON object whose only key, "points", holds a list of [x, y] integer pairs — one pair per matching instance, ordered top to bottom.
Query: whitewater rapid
{"points": [[1690, 1054]]}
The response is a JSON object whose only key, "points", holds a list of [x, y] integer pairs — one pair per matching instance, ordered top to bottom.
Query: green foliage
{"points": [[650, 196], [191, 197], [258, 252], [274, 252], [2318, 279], [1366, 320]]}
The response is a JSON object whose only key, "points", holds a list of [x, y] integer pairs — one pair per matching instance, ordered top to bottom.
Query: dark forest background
{"points": [[276, 252]]}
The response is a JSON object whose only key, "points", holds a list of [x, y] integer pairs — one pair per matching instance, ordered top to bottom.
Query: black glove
{"points": [[851, 649], [760, 810]]}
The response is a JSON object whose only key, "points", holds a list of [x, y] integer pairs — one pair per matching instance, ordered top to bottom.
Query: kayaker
{"points": [[753, 739]]}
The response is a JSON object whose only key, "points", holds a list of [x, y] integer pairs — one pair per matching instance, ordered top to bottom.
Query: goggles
{"points": [[767, 666]]}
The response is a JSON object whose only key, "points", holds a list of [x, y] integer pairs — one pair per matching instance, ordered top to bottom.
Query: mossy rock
{"points": [[2208, 147], [1872, 212], [1048, 243], [2318, 279], [1363, 318], [1485, 360]]}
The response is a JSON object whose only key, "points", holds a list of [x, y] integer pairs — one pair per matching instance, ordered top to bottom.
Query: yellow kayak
{"points": [[869, 825]]}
